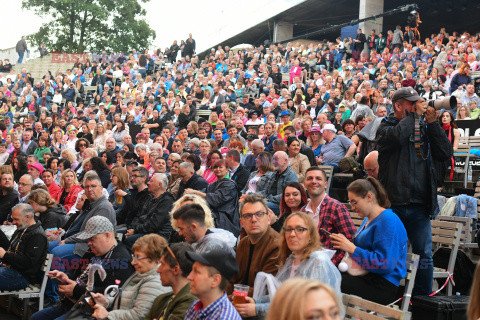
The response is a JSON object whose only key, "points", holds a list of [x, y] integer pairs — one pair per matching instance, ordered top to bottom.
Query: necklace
{"points": [[18, 241], [82, 279]]}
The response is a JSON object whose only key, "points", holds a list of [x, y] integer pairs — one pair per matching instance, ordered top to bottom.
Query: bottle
{"points": [[469, 174]]}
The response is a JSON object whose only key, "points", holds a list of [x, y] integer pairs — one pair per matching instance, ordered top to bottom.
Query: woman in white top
{"points": [[254, 119], [99, 137], [72, 138]]}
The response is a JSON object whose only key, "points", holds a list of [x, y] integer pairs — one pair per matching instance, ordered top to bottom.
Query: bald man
{"points": [[370, 163], [284, 174]]}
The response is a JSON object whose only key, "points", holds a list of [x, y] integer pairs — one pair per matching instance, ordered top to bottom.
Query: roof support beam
{"points": [[370, 8], [282, 30]]}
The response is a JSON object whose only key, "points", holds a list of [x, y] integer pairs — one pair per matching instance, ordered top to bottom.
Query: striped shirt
{"points": [[222, 309]]}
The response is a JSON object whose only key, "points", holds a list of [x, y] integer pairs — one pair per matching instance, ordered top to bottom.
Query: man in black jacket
{"points": [[359, 44], [189, 46], [276, 76], [407, 146], [111, 148], [236, 171], [190, 179], [139, 194], [8, 196], [154, 214], [104, 249], [25, 254]]}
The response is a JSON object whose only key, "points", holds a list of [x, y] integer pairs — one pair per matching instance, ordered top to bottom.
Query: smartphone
{"points": [[325, 231], [58, 281], [90, 300]]}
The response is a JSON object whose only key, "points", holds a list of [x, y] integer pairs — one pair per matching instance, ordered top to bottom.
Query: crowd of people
{"points": [[130, 178]]}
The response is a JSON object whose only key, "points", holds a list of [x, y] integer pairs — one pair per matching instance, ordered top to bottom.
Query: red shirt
{"points": [[335, 218]]}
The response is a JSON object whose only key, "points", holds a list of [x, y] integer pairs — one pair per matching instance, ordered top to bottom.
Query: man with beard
{"points": [[8, 196], [24, 255]]}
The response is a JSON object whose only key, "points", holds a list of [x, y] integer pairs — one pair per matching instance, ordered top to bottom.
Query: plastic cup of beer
{"points": [[240, 291]]}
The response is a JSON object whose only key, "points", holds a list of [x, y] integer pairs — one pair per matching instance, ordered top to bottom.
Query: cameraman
{"points": [[407, 147]]}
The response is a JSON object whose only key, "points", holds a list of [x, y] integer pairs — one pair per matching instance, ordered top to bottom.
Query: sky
{"points": [[209, 21]]}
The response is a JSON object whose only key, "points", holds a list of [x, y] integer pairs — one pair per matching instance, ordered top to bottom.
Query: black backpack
{"points": [[350, 165], [463, 272]]}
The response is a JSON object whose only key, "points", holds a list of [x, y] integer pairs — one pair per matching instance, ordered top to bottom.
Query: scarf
{"points": [[448, 128]]}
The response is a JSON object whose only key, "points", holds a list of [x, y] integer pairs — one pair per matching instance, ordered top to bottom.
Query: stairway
{"points": [[39, 66]]}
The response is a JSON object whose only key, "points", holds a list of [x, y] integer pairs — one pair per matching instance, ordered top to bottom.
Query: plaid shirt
{"points": [[333, 217], [222, 309]]}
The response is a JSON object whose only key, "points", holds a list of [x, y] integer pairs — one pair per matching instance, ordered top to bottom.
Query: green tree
{"points": [[91, 25]]}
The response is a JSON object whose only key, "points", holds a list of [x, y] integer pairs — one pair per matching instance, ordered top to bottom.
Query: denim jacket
{"points": [[285, 177], [263, 183], [466, 207]]}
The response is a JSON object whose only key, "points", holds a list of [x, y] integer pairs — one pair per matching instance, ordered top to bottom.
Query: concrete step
{"points": [[39, 66]]}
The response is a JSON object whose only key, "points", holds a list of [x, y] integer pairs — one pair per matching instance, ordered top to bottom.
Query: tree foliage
{"points": [[91, 25]]}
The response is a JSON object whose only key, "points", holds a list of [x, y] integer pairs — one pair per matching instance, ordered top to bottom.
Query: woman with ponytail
{"points": [[49, 213], [379, 246]]}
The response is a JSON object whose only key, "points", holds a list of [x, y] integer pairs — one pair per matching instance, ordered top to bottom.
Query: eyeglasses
{"points": [[82, 145], [371, 170], [135, 176], [90, 187], [352, 202], [249, 216], [296, 229], [138, 259]]}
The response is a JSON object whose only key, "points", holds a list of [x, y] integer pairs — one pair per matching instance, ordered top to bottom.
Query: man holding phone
{"points": [[104, 249]]}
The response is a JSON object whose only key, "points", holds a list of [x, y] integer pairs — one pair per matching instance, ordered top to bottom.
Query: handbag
{"points": [[82, 309]]}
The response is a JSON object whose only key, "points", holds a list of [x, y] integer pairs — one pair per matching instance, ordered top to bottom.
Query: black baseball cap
{"points": [[406, 93], [252, 137], [218, 255]]}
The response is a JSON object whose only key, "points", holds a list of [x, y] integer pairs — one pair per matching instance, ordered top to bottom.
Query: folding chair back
{"points": [[203, 113], [446, 234], [412, 266], [32, 291], [358, 308]]}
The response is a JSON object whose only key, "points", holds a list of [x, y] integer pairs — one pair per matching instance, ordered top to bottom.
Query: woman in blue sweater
{"points": [[379, 246]]}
